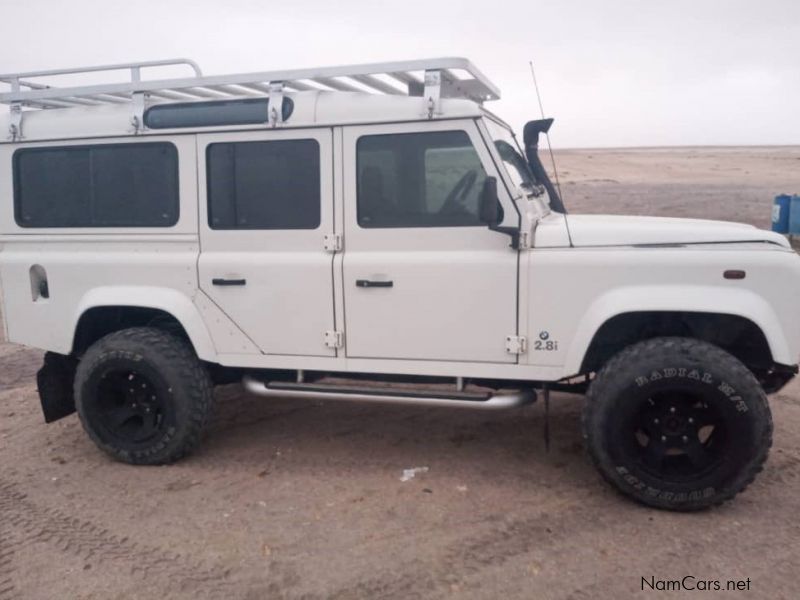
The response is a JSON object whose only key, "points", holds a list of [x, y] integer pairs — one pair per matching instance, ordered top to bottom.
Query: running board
{"points": [[315, 391]]}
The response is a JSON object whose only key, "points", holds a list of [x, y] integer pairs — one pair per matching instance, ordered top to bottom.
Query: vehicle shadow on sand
{"points": [[323, 437]]}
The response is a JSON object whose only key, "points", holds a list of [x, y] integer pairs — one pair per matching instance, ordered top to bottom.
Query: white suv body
{"points": [[371, 260]]}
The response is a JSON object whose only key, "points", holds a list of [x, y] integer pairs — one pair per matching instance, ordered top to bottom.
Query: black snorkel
{"points": [[530, 136]]}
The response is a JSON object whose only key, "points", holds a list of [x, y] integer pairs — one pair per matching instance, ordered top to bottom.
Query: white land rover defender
{"points": [[317, 233]]}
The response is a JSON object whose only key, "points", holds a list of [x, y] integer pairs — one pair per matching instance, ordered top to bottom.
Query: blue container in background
{"points": [[780, 213], [794, 215]]}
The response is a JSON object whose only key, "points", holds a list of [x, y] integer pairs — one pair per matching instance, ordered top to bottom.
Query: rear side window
{"points": [[252, 111], [418, 180], [113, 185], [264, 185]]}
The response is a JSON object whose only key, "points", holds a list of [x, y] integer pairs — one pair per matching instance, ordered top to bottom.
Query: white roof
{"points": [[408, 90]]}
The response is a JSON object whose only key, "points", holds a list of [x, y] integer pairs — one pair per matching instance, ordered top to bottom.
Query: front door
{"points": [[266, 207], [423, 277]]}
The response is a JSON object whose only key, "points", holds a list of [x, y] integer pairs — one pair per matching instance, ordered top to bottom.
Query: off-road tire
{"points": [[650, 369], [178, 377]]}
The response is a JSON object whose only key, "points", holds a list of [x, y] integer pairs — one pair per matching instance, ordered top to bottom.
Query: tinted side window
{"points": [[217, 112], [418, 180], [114, 185], [264, 185]]}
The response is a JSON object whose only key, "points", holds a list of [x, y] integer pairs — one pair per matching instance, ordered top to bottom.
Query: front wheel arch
{"points": [[737, 335]]}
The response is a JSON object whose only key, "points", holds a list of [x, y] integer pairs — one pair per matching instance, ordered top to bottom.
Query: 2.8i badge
{"points": [[545, 343]]}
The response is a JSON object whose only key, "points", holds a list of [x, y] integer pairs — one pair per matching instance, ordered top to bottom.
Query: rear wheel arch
{"points": [[110, 308], [98, 321]]}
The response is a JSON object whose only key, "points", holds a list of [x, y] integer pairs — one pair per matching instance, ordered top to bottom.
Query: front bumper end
{"points": [[777, 377]]}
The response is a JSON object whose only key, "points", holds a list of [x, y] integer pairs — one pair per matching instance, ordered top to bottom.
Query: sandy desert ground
{"points": [[292, 499]]}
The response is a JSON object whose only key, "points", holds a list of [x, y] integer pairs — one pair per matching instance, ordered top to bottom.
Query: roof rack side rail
{"points": [[18, 80]]}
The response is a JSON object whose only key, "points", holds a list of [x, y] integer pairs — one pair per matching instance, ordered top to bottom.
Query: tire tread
{"points": [[624, 364], [191, 374]]}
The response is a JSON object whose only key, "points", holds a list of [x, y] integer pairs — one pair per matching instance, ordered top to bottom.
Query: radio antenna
{"points": [[547, 134]]}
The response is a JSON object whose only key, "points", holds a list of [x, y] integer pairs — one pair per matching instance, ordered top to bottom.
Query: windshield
{"points": [[515, 164]]}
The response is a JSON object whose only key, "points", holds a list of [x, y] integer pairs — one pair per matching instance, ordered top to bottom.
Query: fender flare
{"points": [[667, 298], [169, 300]]}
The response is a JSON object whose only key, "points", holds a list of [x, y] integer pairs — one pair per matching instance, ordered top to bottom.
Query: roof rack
{"points": [[441, 78], [52, 97]]}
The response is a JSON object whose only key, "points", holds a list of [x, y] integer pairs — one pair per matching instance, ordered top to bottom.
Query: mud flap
{"points": [[54, 381]]}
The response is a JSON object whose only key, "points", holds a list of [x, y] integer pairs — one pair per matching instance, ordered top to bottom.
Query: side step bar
{"points": [[312, 391]]}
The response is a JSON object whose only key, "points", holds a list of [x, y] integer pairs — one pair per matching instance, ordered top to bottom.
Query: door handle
{"points": [[221, 281], [365, 283]]}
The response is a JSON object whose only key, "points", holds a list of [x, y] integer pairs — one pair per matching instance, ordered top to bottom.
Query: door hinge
{"points": [[524, 240], [333, 242], [334, 339], [516, 344]]}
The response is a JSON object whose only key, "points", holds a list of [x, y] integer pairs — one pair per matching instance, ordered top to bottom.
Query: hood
{"points": [[612, 230]]}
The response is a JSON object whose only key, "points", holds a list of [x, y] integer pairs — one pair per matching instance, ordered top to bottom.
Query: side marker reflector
{"points": [[734, 274]]}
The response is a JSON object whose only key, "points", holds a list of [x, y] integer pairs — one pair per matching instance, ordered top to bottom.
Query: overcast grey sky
{"points": [[612, 72]]}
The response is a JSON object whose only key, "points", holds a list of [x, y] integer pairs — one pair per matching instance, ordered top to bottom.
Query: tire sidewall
{"points": [[161, 369], [615, 396]]}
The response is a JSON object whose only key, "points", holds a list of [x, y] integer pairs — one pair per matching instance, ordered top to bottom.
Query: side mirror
{"points": [[490, 209]]}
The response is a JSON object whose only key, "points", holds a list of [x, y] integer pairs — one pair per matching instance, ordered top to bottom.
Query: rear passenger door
{"points": [[266, 206]]}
